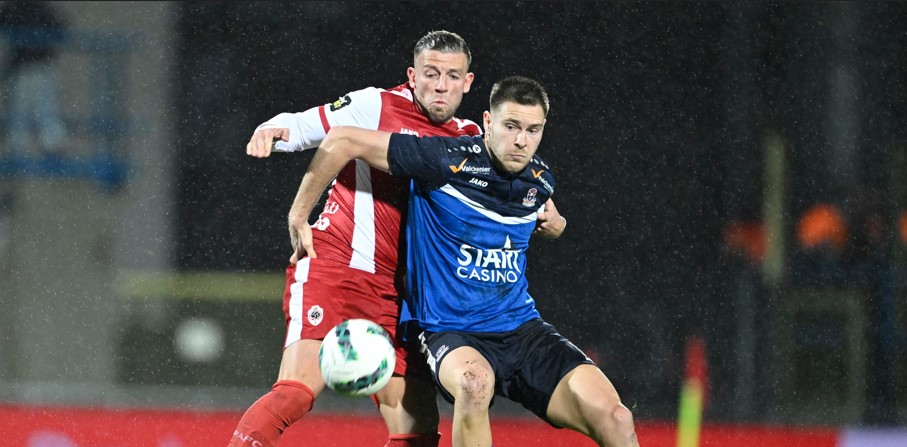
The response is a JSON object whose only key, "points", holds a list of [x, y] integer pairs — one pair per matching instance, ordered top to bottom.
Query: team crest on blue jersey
{"points": [[340, 103], [529, 200]]}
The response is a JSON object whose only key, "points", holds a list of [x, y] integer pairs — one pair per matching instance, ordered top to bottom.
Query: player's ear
{"points": [[411, 75], [469, 79], [486, 120]]}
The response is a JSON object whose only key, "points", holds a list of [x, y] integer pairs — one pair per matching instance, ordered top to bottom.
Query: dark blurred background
{"points": [[729, 170]]}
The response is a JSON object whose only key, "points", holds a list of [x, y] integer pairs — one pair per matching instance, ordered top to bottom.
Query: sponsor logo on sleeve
{"points": [[340, 103], [462, 167], [457, 169], [538, 176], [546, 185]]}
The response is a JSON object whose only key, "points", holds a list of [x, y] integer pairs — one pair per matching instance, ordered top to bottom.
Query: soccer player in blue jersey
{"points": [[473, 206]]}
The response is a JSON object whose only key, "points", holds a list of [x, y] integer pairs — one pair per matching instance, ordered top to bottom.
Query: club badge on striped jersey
{"points": [[315, 315]]}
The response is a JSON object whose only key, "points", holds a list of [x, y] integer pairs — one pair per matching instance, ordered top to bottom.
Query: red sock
{"points": [[269, 416], [413, 440]]}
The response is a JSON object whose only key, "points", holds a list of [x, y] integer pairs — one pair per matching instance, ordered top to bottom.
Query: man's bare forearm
{"points": [[327, 163]]}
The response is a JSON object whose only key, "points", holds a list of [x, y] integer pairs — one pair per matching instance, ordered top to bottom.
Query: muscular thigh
{"points": [[541, 358], [300, 363], [580, 396]]}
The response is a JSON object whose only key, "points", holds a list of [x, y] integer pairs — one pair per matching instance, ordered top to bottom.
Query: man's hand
{"points": [[262, 141], [550, 223], [300, 238]]}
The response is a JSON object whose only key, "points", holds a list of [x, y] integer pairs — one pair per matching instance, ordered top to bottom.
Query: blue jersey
{"points": [[468, 229]]}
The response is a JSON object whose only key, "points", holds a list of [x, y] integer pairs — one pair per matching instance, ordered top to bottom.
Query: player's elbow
{"points": [[340, 142], [350, 143]]}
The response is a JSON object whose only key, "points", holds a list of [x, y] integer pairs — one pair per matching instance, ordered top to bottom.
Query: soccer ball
{"points": [[357, 358]]}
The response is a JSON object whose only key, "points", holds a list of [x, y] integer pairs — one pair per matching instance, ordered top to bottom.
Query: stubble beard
{"points": [[440, 115]]}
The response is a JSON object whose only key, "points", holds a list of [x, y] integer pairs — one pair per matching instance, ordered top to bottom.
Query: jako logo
{"points": [[478, 182]]}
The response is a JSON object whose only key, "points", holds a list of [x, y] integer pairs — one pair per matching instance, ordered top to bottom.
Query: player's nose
{"points": [[441, 84], [520, 140]]}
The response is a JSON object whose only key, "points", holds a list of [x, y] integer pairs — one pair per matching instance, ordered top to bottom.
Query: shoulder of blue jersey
{"points": [[542, 173]]}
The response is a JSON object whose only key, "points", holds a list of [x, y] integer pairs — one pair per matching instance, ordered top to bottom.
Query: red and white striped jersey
{"points": [[360, 223]]}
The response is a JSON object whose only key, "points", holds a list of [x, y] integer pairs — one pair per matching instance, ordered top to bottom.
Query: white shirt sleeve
{"points": [[361, 108], [306, 131]]}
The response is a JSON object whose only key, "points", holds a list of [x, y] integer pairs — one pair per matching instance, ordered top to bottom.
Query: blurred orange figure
{"points": [[821, 225], [747, 238]]}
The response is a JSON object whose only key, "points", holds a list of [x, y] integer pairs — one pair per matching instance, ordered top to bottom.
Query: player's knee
{"points": [[475, 384], [291, 399], [408, 406], [419, 414], [424, 414], [622, 416], [608, 422], [620, 427]]}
